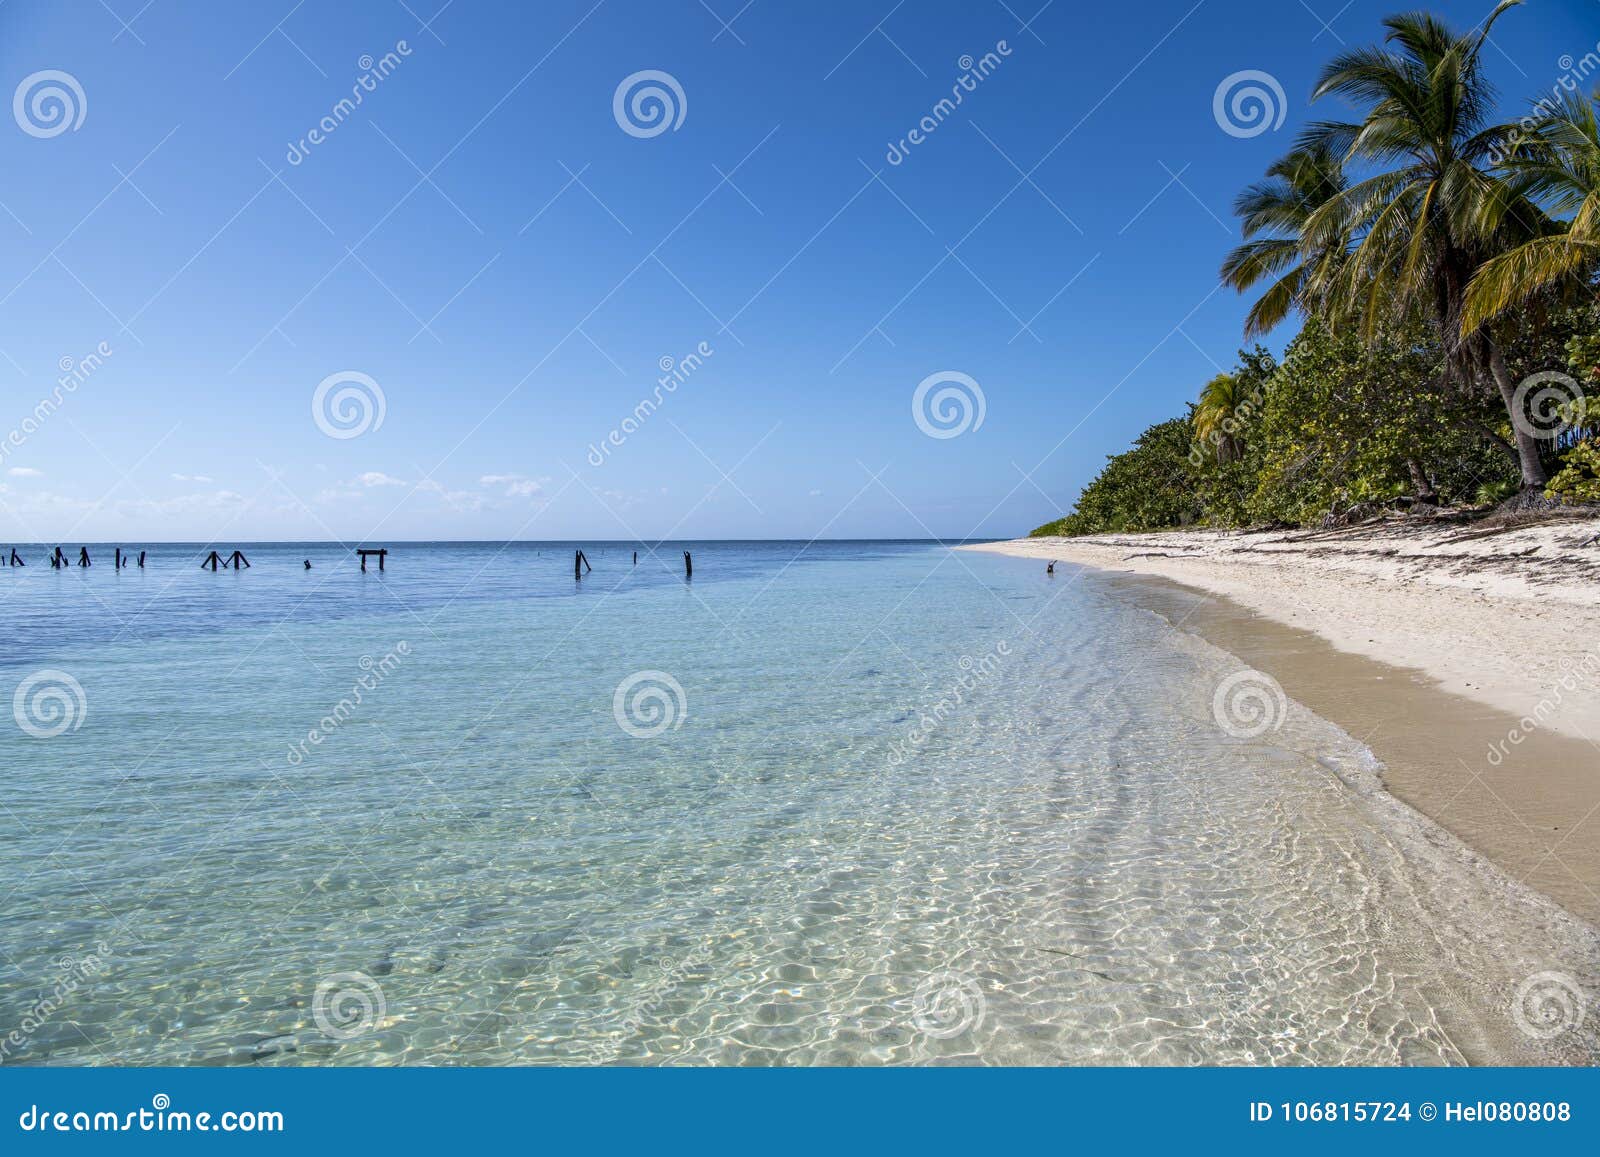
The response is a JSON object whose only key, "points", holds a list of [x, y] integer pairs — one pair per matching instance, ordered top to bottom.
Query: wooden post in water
{"points": [[381, 553], [83, 556], [236, 558], [635, 558], [16, 559], [58, 560], [141, 560], [213, 560], [579, 563], [688, 566]]}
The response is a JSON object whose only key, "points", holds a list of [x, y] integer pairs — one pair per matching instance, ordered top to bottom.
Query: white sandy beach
{"points": [[1502, 618]]}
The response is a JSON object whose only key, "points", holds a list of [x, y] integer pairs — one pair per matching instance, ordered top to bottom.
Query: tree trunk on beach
{"points": [[1534, 474], [1421, 485]]}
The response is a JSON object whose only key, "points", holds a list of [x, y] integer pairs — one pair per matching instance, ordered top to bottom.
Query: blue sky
{"points": [[486, 244]]}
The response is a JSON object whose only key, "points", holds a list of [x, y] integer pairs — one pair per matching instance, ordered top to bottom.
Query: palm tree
{"points": [[1558, 165], [1274, 214], [1418, 229], [1217, 416]]}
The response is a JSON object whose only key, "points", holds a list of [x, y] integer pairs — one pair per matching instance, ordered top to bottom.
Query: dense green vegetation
{"points": [[1443, 269]]}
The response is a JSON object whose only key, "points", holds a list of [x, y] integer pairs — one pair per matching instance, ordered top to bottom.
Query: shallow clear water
{"points": [[912, 805]]}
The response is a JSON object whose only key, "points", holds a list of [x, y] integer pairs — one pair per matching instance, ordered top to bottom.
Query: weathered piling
{"points": [[381, 553], [83, 556], [236, 558], [635, 558], [16, 559], [58, 560], [141, 560], [213, 561], [580, 562], [688, 566], [1051, 569]]}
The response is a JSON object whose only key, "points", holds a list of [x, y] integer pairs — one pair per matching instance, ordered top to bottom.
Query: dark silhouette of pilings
{"points": [[382, 554], [58, 560], [579, 563], [688, 566]]}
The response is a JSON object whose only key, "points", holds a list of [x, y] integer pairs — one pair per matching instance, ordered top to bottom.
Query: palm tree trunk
{"points": [[1534, 474]]}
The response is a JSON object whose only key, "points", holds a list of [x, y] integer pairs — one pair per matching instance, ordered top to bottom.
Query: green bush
{"points": [[1579, 477], [1148, 487]]}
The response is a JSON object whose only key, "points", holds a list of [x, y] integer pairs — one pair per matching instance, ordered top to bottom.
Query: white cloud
{"points": [[25, 472], [200, 478], [378, 478], [516, 485]]}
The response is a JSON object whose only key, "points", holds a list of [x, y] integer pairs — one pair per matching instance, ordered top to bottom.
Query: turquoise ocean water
{"points": [[838, 803]]}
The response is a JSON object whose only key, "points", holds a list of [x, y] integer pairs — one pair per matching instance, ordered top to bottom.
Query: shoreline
{"points": [[1498, 617], [1530, 807]]}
